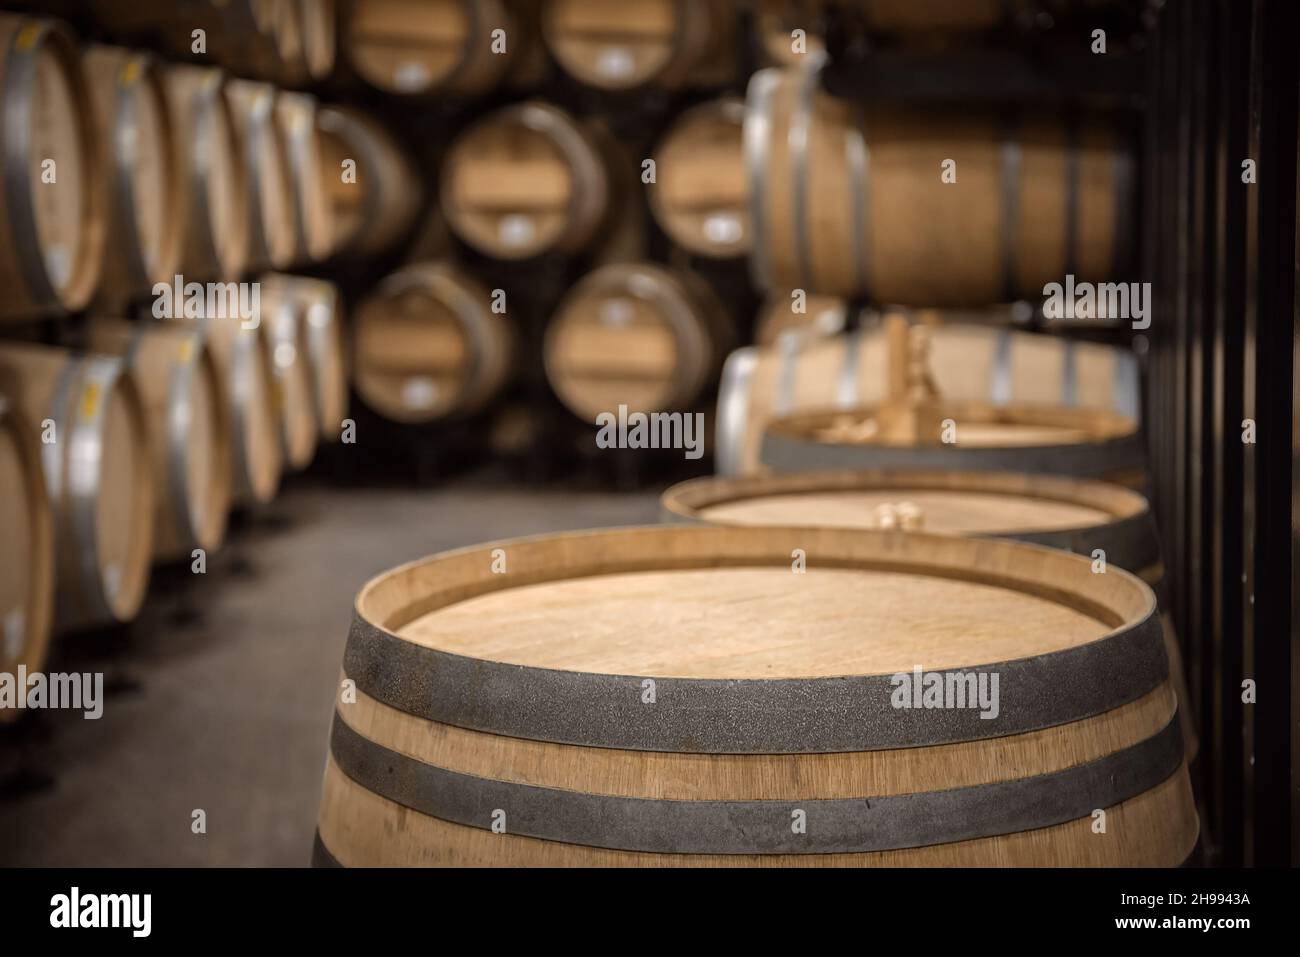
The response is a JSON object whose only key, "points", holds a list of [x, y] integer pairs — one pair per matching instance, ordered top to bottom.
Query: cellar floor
{"points": [[219, 697]]}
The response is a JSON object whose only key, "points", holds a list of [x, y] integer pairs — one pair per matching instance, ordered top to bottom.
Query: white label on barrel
{"points": [[615, 62], [411, 75], [723, 228], [516, 230], [58, 264], [616, 313], [318, 315], [285, 354], [419, 392], [112, 581], [15, 625]]}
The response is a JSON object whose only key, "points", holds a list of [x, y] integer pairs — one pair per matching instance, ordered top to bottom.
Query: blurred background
{"points": [[474, 226]]}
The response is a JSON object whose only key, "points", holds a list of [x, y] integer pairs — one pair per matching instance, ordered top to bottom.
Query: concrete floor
{"points": [[223, 690]]}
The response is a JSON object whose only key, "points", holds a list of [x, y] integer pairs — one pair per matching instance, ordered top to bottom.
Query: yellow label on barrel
{"points": [[27, 37], [131, 70], [186, 351], [90, 400]]}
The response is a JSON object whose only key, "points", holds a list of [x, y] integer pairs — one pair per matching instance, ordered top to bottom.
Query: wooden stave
{"points": [[780, 99], [200, 107], [727, 110], [385, 173], [587, 208], [313, 226], [273, 234], [23, 270], [125, 270], [321, 308], [699, 324], [488, 335], [807, 371], [74, 390], [299, 426], [25, 630], [423, 734]]}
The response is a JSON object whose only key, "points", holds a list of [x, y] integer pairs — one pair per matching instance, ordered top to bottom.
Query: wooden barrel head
{"points": [[614, 45], [409, 46], [700, 196]]}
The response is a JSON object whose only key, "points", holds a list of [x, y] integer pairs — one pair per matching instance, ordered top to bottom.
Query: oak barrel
{"points": [[622, 44], [427, 46], [140, 163], [213, 175], [524, 180], [53, 196], [699, 197], [850, 199], [375, 206], [271, 207], [313, 224], [321, 310], [286, 329], [635, 334], [428, 346], [802, 372], [189, 429], [98, 477], [1078, 515], [27, 560], [755, 697]]}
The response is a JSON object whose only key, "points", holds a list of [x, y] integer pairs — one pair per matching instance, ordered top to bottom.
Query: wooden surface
{"points": [[296, 116], [265, 157], [321, 308], [286, 327]]}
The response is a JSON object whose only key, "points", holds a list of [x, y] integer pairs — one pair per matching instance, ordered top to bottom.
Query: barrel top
{"points": [[955, 503]]}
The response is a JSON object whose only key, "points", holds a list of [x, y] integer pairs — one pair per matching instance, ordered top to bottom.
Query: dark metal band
{"points": [[20, 197], [1010, 211], [1093, 460], [724, 716], [831, 826], [321, 855]]}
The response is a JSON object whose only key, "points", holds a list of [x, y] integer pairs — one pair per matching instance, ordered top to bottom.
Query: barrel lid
{"points": [[750, 640]]}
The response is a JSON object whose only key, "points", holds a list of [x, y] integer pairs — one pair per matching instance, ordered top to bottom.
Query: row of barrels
{"points": [[123, 171], [132, 449]]}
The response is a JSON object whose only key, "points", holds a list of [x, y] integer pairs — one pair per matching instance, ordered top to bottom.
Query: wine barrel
{"points": [[319, 27], [631, 43], [427, 46], [139, 160], [213, 176], [525, 180], [699, 197], [849, 200], [52, 203], [375, 206], [271, 209], [313, 226], [321, 310], [286, 328], [638, 335], [427, 346], [975, 363], [246, 372], [188, 425], [1088, 443], [97, 475], [1077, 515], [27, 560], [687, 696]]}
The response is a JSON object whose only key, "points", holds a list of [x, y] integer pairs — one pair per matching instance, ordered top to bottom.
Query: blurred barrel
{"points": [[319, 19], [775, 22], [622, 44], [427, 46], [140, 161], [213, 175], [525, 180], [699, 197], [849, 199], [52, 202], [375, 206], [271, 209], [313, 225], [320, 308], [820, 316], [286, 329], [636, 335], [427, 346], [970, 363], [248, 388], [189, 429], [98, 478], [27, 559], [696, 703]]}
